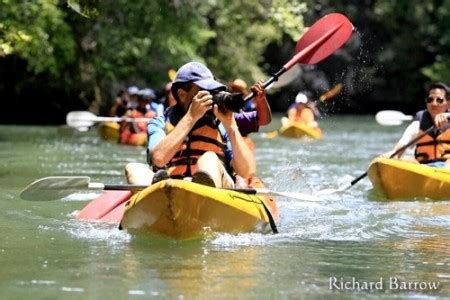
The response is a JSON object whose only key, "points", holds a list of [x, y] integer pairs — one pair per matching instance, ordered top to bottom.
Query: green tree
{"points": [[36, 31], [139, 41], [418, 43], [90, 47], [439, 70]]}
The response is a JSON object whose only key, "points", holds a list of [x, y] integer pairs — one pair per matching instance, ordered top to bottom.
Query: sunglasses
{"points": [[438, 100]]}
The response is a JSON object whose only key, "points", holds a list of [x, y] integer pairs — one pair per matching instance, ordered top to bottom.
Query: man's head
{"points": [[191, 78], [239, 86], [132, 90], [147, 94], [437, 98]]}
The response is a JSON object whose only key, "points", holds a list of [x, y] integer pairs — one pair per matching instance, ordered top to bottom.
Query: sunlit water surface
{"points": [[45, 253]]}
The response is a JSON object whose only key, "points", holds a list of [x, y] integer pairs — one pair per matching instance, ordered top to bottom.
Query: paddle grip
{"points": [[267, 82]]}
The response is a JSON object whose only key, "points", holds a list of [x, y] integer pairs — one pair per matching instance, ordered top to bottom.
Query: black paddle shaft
{"points": [[267, 82], [429, 130], [124, 187]]}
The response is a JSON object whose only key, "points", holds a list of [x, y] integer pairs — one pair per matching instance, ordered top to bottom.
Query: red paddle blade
{"points": [[323, 38]]}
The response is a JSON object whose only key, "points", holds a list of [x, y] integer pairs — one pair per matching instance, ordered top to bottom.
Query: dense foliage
{"points": [[78, 53]]}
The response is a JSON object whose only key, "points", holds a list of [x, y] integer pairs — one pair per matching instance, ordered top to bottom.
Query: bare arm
{"points": [[262, 106], [291, 114], [441, 119], [169, 145], [243, 160]]}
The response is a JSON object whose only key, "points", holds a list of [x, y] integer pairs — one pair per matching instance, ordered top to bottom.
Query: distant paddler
{"points": [[122, 99], [302, 111], [300, 121], [135, 133], [433, 148]]}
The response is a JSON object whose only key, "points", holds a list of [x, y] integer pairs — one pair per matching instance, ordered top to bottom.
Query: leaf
{"points": [[86, 8]]}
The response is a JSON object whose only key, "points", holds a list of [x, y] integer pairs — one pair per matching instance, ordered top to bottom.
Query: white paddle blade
{"points": [[391, 117], [80, 119], [53, 188], [333, 191], [297, 196], [300, 196]]}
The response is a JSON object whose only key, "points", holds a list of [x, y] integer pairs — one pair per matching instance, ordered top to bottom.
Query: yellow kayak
{"points": [[298, 130], [109, 131], [407, 180], [181, 209]]}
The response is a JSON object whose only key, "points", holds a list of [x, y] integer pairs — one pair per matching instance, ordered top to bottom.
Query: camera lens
{"points": [[233, 102]]}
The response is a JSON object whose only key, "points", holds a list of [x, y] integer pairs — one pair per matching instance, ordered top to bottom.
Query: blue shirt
{"points": [[157, 108]]}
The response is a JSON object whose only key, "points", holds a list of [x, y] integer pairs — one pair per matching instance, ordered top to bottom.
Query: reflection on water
{"points": [[47, 253]]}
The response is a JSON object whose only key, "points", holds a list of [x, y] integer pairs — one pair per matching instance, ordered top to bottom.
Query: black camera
{"points": [[229, 101]]}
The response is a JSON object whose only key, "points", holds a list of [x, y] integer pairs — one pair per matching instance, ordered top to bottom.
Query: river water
{"points": [[325, 249]]}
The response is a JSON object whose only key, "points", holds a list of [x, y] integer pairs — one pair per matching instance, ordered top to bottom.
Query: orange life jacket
{"points": [[304, 114], [142, 126], [135, 134], [204, 137], [432, 147]]}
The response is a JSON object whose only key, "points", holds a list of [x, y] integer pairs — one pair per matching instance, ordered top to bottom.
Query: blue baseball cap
{"points": [[198, 74]]}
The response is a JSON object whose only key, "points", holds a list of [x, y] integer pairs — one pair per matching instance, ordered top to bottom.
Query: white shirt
{"points": [[411, 132]]}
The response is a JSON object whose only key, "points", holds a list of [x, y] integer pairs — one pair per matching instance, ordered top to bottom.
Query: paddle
{"points": [[324, 37], [333, 92], [391, 117], [87, 119], [357, 179], [57, 187]]}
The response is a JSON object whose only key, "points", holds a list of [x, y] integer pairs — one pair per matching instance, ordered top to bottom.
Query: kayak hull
{"points": [[299, 130], [110, 131], [404, 180], [184, 210]]}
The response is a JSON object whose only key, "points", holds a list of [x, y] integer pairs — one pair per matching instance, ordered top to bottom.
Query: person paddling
{"points": [[120, 104], [301, 112], [133, 132], [196, 138], [434, 148]]}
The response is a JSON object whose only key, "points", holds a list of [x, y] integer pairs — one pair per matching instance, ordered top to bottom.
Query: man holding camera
{"points": [[198, 138]]}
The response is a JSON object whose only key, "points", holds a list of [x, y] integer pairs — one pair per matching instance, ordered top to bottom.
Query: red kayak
{"points": [[108, 207]]}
